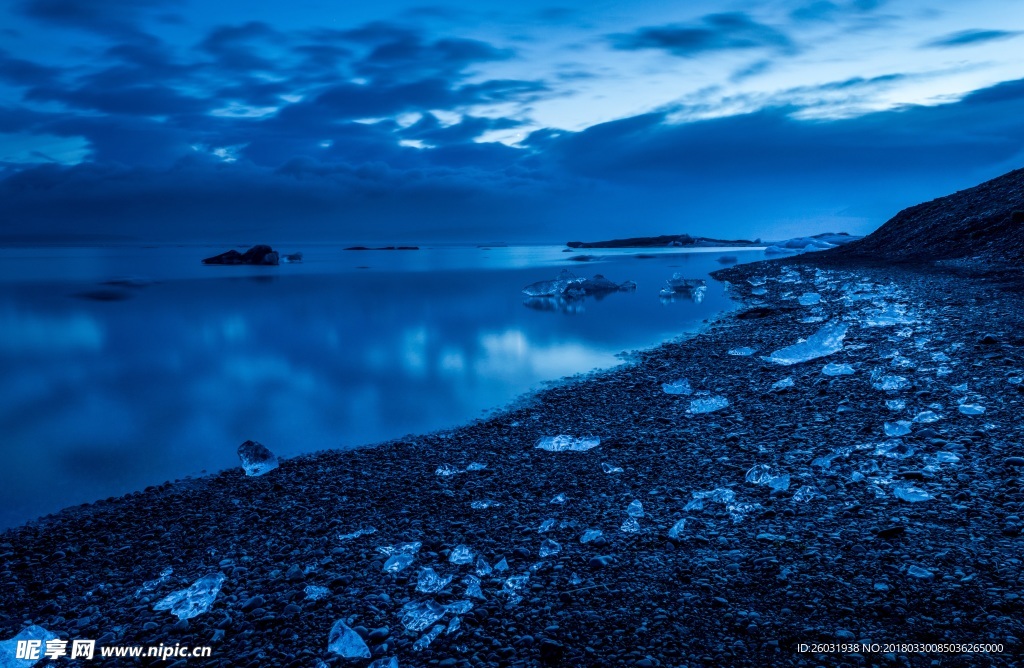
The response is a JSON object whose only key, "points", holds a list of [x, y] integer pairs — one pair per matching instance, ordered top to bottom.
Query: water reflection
{"points": [[102, 397]]}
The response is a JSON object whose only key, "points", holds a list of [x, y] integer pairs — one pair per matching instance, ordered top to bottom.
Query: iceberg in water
{"points": [[680, 286], [827, 340], [563, 442], [195, 600]]}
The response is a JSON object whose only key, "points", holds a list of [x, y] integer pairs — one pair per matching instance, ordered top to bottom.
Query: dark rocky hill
{"points": [[984, 223]]}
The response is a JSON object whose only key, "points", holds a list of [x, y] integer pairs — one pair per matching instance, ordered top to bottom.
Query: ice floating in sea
{"points": [[566, 285], [680, 286], [809, 299], [827, 340], [743, 351], [833, 369], [889, 383], [783, 384], [681, 386], [895, 404], [708, 405], [971, 409], [927, 417], [898, 428], [563, 442], [256, 458], [476, 466], [608, 468], [446, 470], [806, 493], [910, 494], [559, 499], [484, 505], [546, 525], [630, 525], [676, 529], [366, 531], [590, 534], [548, 548], [461, 555], [397, 563], [482, 567], [918, 572], [429, 582], [150, 585], [473, 590], [195, 600], [418, 615], [346, 642], [9, 648]]}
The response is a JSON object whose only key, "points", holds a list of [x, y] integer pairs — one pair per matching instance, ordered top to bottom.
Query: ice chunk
{"points": [[757, 281], [566, 285], [758, 292], [809, 299], [887, 316], [827, 340], [742, 352], [833, 369], [890, 383], [783, 384], [681, 386], [895, 404], [708, 405], [971, 409], [927, 417], [898, 428], [563, 442], [894, 450], [943, 457], [256, 458], [476, 466], [608, 468], [446, 470], [759, 474], [779, 482], [806, 493], [910, 494], [717, 495], [559, 499], [694, 504], [484, 505], [635, 509], [739, 511], [546, 525], [630, 525], [677, 528], [366, 531], [590, 534], [401, 548], [548, 548], [461, 555], [398, 562], [501, 566], [482, 567], [918, 572], [575, 579], [429, 582], [472, 583], [150, 585], [315, 592], [195, 600], [459, 607], [418, 615], [453, 625], [427, 638], [346, 642], [9, 648], [386, 662]]}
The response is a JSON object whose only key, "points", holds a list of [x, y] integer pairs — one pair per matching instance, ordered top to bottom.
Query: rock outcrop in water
{"points": [[260, 254]]}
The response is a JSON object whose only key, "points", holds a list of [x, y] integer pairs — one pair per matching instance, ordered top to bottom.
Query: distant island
{"points": [[820, 241], [381, 248]]}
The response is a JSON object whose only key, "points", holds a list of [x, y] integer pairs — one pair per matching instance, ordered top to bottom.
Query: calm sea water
{"points": [[107, 388]]}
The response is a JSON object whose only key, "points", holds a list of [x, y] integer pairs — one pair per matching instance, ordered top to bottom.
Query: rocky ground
{"points": [[837, 557]]}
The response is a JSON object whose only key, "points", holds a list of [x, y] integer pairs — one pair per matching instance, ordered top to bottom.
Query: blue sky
{"points": [[176, 120]]}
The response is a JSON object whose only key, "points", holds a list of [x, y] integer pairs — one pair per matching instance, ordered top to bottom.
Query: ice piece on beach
{"points": [[757, 281], [758, 292], [809, 299], [888, 316], [811, 319], [827, 340], [742, 352], [833, 369], [889, 383], [783, 384], [681, 386], [962, 387], [895, 404], [708, 405], [971, 409], [927, 417], [898, 428], [563, 442], [894, 450], [944, 457], [256, 458], [476, 466], [608, 468], [447, 470], [759, 474], [779, 482], [806, 493], [910, 494], [717, 495], [559, 499], [694, 504], [484, 505], [635, 509], [739, 511], [546, 525], [630, 525], [677, 528], [365, 531], [590, 534], [401, 548], [548, 548], [461, 555], [397, 563], [501, 566], [482, 567], [918, 572], [575, 579], [429, 582], [150, 585], [514, 585], [473, 590], [316, 592], [197, 599], [459, 607], [418, 615], [453, 625], [427, 638], [346, 642], [9, 648], [386, 662]]}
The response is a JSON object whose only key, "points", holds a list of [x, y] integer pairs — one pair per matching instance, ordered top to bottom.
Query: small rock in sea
{"points": [[256, 458], [346, 642]]}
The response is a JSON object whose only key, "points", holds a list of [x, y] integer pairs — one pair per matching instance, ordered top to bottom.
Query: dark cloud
{"points": [[827, 10], [108, 17], [716, 32], [969, 38], [21, 72]]}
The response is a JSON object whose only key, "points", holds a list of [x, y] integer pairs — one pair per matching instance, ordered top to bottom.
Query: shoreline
{"points": [[718, 595]]}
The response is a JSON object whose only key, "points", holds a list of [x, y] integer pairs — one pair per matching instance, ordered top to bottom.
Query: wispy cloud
{"points": [[732, 31], [969, 38]]}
